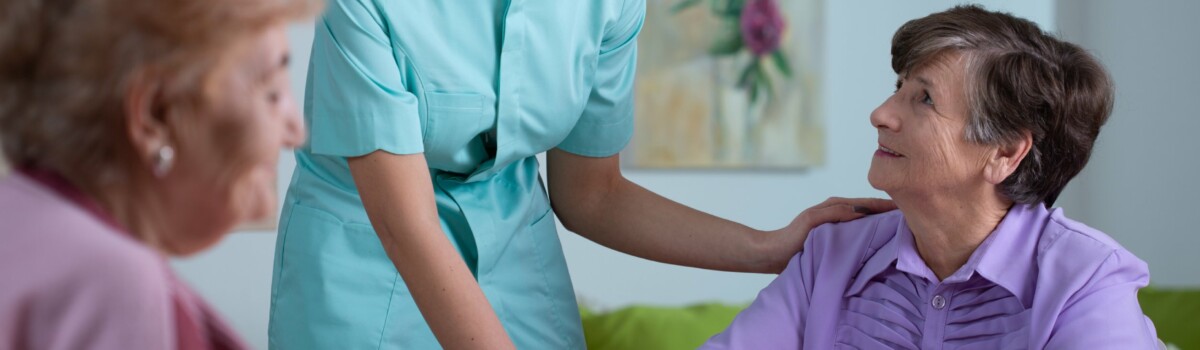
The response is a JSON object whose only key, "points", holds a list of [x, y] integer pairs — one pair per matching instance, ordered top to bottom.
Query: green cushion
{"points": [[1176, 315], [649, 327]]}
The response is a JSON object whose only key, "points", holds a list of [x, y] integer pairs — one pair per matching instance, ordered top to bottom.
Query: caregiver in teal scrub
{"points": [[416, 215]]}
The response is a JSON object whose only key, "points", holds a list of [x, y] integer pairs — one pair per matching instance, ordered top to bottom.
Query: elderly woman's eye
{"points": [[927, 100]]}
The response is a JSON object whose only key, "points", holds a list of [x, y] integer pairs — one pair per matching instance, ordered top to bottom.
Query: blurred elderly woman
{"points": [[990, 119], [138, 130]]}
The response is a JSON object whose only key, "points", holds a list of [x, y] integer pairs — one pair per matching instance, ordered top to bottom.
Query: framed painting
{"points": [[729, 84]]}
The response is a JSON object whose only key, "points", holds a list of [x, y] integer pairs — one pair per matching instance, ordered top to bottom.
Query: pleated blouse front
{"points": [[904, 306], [898, 310]]}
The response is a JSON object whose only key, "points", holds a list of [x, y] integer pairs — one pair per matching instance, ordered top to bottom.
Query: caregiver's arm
{"points": [[398, 195], [593, 199]]}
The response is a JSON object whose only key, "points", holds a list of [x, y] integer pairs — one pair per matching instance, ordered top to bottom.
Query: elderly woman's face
{"points": [[922, 149], [226, 166]]}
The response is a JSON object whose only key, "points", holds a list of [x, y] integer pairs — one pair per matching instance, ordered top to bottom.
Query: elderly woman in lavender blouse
{"points": [[990, 119]]}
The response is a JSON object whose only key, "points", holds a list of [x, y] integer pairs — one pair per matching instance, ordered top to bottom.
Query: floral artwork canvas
{"points": [[729, 84]]}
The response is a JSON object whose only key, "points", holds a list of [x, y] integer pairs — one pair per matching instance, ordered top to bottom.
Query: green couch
{"points": [[1175, 312], [1176, 315], [650, 327]]}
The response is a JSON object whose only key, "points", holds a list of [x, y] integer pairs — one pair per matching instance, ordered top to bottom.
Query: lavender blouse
{"points": [[1040, 280]]}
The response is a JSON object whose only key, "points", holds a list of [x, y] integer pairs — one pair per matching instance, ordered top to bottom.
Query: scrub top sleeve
{"points": [[358, 101], [606, 124]]}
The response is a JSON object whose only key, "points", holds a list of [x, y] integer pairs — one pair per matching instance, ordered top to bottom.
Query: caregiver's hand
{"points": [[790, 239]]}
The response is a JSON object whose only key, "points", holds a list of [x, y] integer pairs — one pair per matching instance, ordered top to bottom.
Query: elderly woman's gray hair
{"points": [[65, 65], [1018, 79]]}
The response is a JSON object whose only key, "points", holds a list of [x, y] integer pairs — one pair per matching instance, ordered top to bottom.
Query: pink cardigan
{"points": [[71, 278]]}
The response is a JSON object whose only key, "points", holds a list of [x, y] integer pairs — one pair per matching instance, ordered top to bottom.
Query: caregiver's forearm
{"points": [[398, 196], [593, 199]]}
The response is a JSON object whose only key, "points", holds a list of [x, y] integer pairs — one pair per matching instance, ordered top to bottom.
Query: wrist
{"points": [[769, 250]]}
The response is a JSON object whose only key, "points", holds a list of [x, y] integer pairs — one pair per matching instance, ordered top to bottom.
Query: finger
{"points": [[831, 201], [869, 205], [830, 214]]}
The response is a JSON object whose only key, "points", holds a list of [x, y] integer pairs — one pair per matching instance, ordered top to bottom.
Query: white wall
{"points": [[1141, 184], [235, 276]]}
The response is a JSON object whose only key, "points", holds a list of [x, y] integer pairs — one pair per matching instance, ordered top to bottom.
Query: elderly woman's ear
{"points": [[146, 120], [1006, 157]]}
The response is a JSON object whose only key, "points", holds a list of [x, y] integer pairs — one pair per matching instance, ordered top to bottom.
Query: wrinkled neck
{"points": [[947, 230]]}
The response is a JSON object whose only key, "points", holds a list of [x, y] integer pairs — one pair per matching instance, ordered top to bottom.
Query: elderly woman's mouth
{"points": [[887, 152]]}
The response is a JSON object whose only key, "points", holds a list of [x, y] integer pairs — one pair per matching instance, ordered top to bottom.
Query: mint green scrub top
{"points": [[479, 87]]}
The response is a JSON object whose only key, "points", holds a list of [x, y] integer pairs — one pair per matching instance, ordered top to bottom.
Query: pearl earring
{"points": [[163, 160]]}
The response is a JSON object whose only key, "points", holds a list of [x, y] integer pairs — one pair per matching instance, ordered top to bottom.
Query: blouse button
{"points": [[939, 302]]}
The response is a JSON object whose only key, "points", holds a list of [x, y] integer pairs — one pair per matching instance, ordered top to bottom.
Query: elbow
{"points": [[581, 203], [579, 208], [567, 212]]}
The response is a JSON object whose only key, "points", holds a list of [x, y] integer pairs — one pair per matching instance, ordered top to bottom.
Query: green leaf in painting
{"points": [[683, 5], [728, 9], [728, 45], [782, 63], [747, 77], [764, 81], [753, 93]]}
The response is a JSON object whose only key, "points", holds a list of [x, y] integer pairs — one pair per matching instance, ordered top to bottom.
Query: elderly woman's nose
{"points": [[883, 118], [294, 133]]}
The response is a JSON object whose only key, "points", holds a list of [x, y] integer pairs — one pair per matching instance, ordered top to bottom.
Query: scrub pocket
{"points": [[453, 126], [338, 282], [544, 310]]}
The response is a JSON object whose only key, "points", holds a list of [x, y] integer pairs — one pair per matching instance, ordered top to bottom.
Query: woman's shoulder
{"points": [[1065, 237], [856, 239], [49, 243], [1073, 255], [70, 279], [1088, 283]]}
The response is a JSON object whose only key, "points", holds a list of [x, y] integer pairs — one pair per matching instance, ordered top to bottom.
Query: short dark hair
{"points": [[1018, 78]]}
